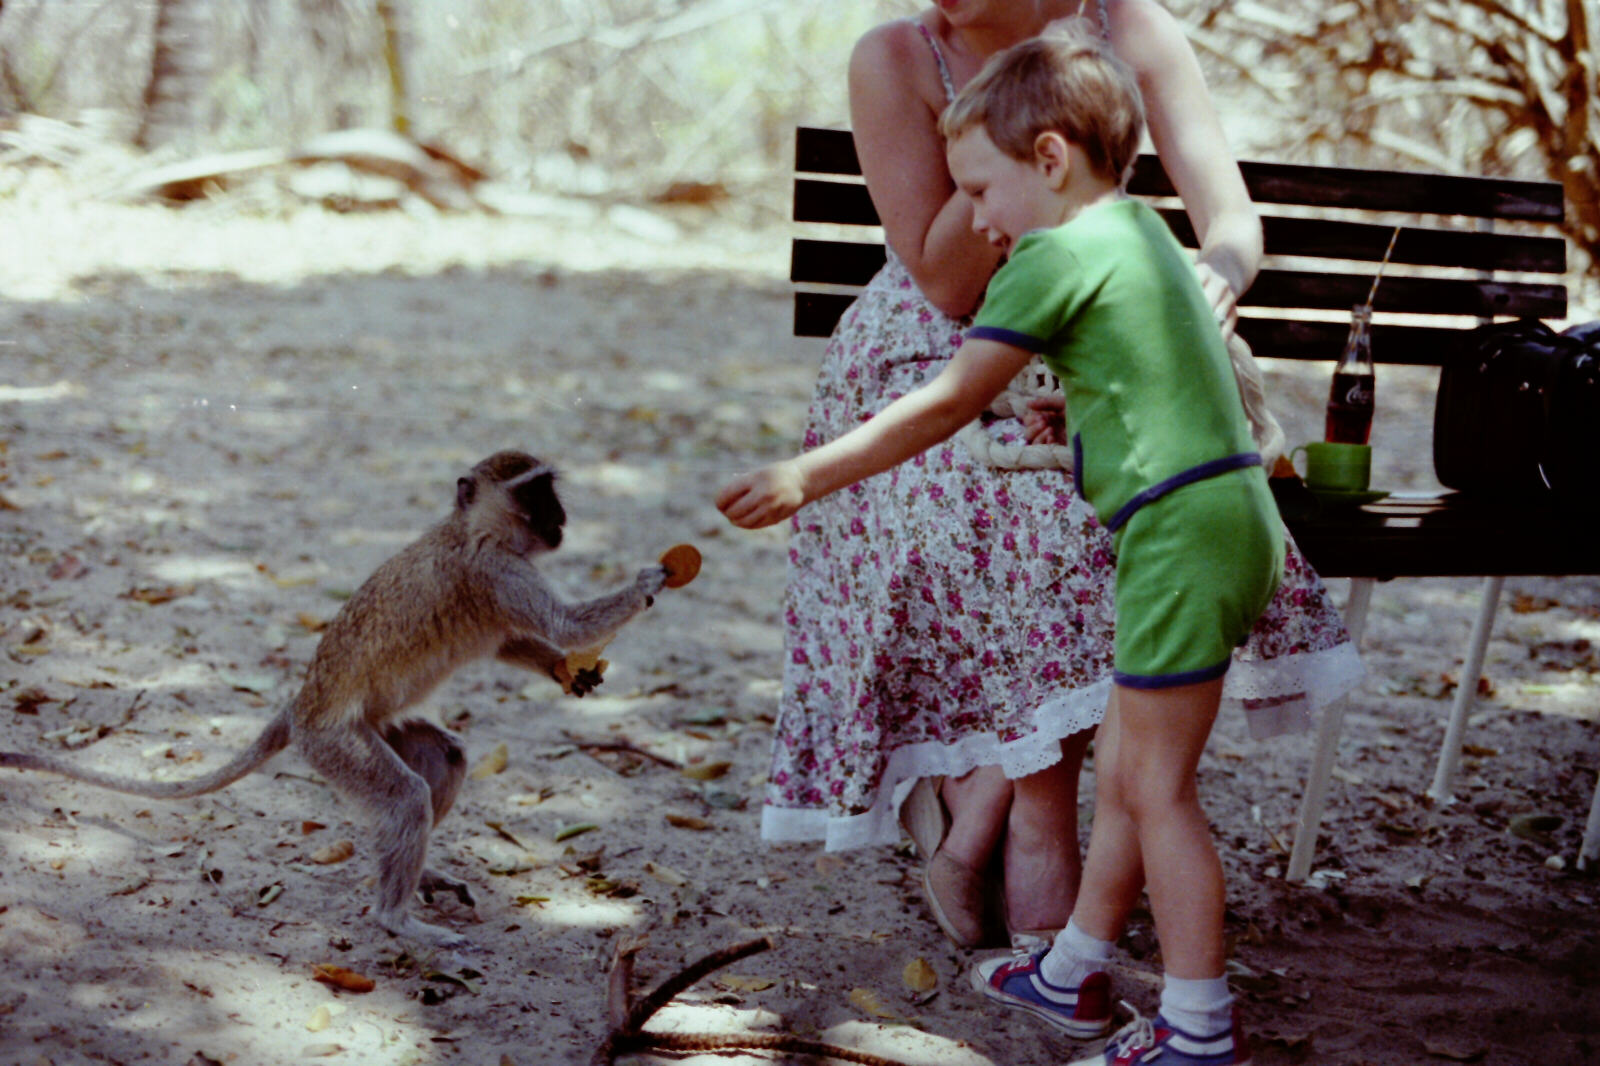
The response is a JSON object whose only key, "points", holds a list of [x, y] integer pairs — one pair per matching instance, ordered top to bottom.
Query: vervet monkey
{"points": [[466, 589]]}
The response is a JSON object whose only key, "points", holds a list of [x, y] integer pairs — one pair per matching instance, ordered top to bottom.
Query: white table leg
{"points": [[1466, 691], [1329, 727], [1589, 853]]}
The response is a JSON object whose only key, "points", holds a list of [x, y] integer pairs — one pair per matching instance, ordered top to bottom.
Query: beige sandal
{"points": [[956, 898]]}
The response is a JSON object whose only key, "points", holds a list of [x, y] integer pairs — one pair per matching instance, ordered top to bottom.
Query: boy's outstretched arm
{"points": [[978, 373]]}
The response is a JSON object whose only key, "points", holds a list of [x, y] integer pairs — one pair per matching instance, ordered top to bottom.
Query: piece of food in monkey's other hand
{"points": [[683, 564], [580, 671]]}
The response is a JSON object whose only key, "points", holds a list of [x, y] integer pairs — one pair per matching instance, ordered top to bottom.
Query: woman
{"points": [[951, 617]]}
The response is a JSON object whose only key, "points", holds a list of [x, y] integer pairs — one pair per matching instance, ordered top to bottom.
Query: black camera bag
{"points": [[1518, 413]]}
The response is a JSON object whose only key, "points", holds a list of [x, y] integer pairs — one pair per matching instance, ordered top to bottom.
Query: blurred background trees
{"points": [[1495, 87], [628, 98]]}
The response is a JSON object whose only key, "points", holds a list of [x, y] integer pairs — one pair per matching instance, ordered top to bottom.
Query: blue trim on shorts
{"points": [[1026, 342], [1077, 459], [1211, 469], [1160, 681]]}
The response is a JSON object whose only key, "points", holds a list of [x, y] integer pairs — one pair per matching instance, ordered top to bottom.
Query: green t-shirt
{"points": [[1112, 304]]}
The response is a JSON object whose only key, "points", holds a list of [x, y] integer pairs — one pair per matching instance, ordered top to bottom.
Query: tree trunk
{"points": [[391, 14], [179, 65]]}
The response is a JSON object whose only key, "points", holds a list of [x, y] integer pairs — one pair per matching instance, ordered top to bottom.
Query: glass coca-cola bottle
{"points": [[1350, 400]]}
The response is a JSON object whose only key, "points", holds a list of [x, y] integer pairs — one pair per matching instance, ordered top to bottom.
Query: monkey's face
{"points": [[514, 494], [541, 508]]}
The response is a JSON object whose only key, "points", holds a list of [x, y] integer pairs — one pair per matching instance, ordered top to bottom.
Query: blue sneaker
{"points": [[1081, 1012], [1158, 1043]]}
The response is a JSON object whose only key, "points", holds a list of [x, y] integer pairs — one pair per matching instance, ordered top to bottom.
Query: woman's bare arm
{"points": [[895, 98], [1188, 137]]}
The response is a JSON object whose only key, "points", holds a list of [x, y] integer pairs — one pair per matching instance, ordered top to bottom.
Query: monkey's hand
{"points": [[649, 582], [585, 681]]}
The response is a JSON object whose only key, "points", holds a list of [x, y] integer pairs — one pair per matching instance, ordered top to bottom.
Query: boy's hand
{"points": [[1045, 421], [762, 497]]}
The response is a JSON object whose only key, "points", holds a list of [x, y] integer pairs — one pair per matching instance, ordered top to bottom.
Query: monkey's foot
{"points": [[434, 881], [420, 932]]}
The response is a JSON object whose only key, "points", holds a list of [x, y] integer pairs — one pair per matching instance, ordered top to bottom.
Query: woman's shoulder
{"points": [[1143, 32], [892, 45], [896, 55]]}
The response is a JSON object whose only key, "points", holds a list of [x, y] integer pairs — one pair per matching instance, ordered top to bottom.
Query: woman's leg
{"points": [[979, 802], [1149, 827], [1043, 861], [956, 878]]}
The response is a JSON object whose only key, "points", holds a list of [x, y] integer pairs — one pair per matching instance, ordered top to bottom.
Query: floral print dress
{"points": [[948, 614]]}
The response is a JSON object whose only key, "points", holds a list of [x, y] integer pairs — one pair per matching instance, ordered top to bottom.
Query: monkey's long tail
{"points": [[273, 739]]}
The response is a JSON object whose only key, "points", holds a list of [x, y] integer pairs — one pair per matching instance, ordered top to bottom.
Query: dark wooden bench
{"points": [[1468, 250]]}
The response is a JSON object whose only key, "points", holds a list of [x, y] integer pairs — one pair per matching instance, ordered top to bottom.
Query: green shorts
{"points": [[1195, 569]]}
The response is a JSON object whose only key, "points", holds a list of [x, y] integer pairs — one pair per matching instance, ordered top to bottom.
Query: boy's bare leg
{"points": [[1149, 829], [1043, 860]]}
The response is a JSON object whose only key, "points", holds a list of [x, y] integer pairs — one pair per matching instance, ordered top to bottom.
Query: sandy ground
{"points": [[215, 422]]}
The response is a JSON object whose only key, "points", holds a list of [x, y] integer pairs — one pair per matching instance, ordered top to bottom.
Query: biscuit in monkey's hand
{"points": [[683, 564], [580, 672]]}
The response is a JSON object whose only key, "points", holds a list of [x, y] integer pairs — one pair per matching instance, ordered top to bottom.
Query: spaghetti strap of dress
{"points": [[944, 68]]}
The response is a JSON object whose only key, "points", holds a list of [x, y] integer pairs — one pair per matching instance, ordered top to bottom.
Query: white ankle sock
{"points": [[1074, 956], [1201, 1007]]}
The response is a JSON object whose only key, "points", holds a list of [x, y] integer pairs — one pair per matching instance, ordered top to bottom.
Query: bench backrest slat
{"points": [[825, 151], [1377, 190], [847, 204], [1446, 264]]}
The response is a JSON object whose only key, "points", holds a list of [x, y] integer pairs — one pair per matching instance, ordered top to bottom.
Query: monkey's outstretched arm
{"points": [[537, 610], [273, 739]]}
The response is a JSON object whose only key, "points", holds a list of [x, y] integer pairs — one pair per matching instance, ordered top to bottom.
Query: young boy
{"points": [[1095, 284]]}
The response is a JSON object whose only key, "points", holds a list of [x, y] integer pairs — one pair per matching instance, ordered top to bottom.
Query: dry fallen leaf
{"points": [[68, 567], [155, 596], [310, 622], [29, 700], [493, 763], [707, 771], [687, 821], [567, 832], [506, 834], [333, 853], [827, 865], [666, 874], [919, 976], [341, 978], [737, 983], [869, 1002], [320, 1019]]}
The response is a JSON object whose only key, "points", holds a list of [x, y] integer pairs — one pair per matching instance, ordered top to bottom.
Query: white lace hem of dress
{"points": [[1292, 688]]}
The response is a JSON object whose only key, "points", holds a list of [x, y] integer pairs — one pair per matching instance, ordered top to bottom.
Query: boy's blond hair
{"points": [[1066, 81]]}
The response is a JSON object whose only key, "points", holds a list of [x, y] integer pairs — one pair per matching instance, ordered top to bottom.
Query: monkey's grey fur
{"points": [[466, 589]]}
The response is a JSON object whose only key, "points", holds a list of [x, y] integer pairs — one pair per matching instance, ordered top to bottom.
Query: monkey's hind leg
{"points": [[436, 754], [358, 762]]}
